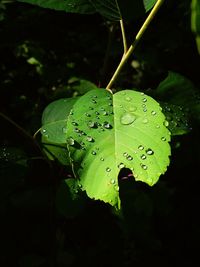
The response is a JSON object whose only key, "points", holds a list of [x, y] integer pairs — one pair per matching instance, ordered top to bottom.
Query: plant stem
{"points": [[139, 35], [123, 36]]}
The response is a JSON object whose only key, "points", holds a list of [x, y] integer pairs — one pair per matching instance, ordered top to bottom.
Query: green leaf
{"points": [[148, 4], [73, 6], [195, 21], [54, 120], [109, 132]]}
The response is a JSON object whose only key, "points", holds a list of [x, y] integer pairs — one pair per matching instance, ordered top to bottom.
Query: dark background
{"points": [[43, 55]]}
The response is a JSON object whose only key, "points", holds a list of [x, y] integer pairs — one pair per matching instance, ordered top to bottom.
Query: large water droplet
{"points": [[127, 119], [89, 138], [140, 147], [149, 151], [143, 157], [121, 166], [108, 169]]}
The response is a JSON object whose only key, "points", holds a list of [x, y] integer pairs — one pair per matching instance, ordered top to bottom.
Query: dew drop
{"points": [[142, 93], [94, 96], [128, 98], [144, 99], [94, 101], [110, 104], [91, 108], [132, 109], [144, 109], [71, 112], [96, 112], [153, 112], [105, 113], [87, 115], [127, 119], [145, 121], [74, 123], [166, 123], [91, 124], [107, 125], [157, 126], [64, 130], [76, 130], [89, 138], [163, 139], [71, 141], [140, 147], [149, 151], [93, 152], [125, 154], [143, 157], [129, 158], [102, 159], [121, 166], [144, 167], [108, 169], [112, 181], [116, 188]]}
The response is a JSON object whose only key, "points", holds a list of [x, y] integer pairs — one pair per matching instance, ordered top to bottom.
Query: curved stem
{"points": [[139, 35], [123, 36]]}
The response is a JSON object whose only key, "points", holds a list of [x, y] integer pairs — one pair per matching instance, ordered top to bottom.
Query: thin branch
{"points": [[123, 36], [136, 41]]}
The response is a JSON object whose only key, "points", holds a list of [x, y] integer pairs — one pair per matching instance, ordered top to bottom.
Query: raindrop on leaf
{"points": [[127, 119], [89, 138], [140, 147], [149, 151], [143, 157], [121, 166], [108, 169]]}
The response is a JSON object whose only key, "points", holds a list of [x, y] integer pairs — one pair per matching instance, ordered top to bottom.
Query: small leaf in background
{"points": [[73, 6], [195, 21], [81, 86], [178, 90], [177, 118], [107, 133]]}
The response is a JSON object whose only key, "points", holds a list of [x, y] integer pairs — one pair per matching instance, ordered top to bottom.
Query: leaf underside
{"points": [[106, 133]]}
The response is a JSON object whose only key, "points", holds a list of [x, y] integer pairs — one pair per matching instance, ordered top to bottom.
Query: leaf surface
{"points": [[109, 132]]}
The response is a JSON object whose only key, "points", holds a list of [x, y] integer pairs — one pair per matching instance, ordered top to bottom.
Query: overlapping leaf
{"points": [[195, 21], [106, 133]]}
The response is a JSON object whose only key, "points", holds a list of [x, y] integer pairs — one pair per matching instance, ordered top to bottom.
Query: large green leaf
{"points": [[74, 6], [195, 21], [106, 133]]}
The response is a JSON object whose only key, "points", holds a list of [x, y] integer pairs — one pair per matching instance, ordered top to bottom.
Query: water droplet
{"points": [[142, 93], [94, 96], [109, 97], [128, 98], [144, 99], [94, 101], [110, 104], [91, 108], [132, 109], [144, 109], [71, 112], [96, 112], [153, 112], [105, 113], [87, 115], [127, 119], [145, 121], [74, 123], [166, 123], [91, 124], [107, 125], [157, 126], [64, 129], [76, 130], [44, 131], [89, 138], [163, 139], [71, 141], [140, 147], [149, 151], [93, 152], [125, 154], [143, 157], [129, 158], [102, 159], [121, 166], [144, 167], [108, 169], [112, 181], [116, 187]]}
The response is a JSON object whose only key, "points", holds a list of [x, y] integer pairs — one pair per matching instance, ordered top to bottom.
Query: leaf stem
{"points": [[139, 35], [123, 36]]}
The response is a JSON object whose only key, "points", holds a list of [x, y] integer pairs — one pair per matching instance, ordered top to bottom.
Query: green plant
{"points": [[100, 133]]}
